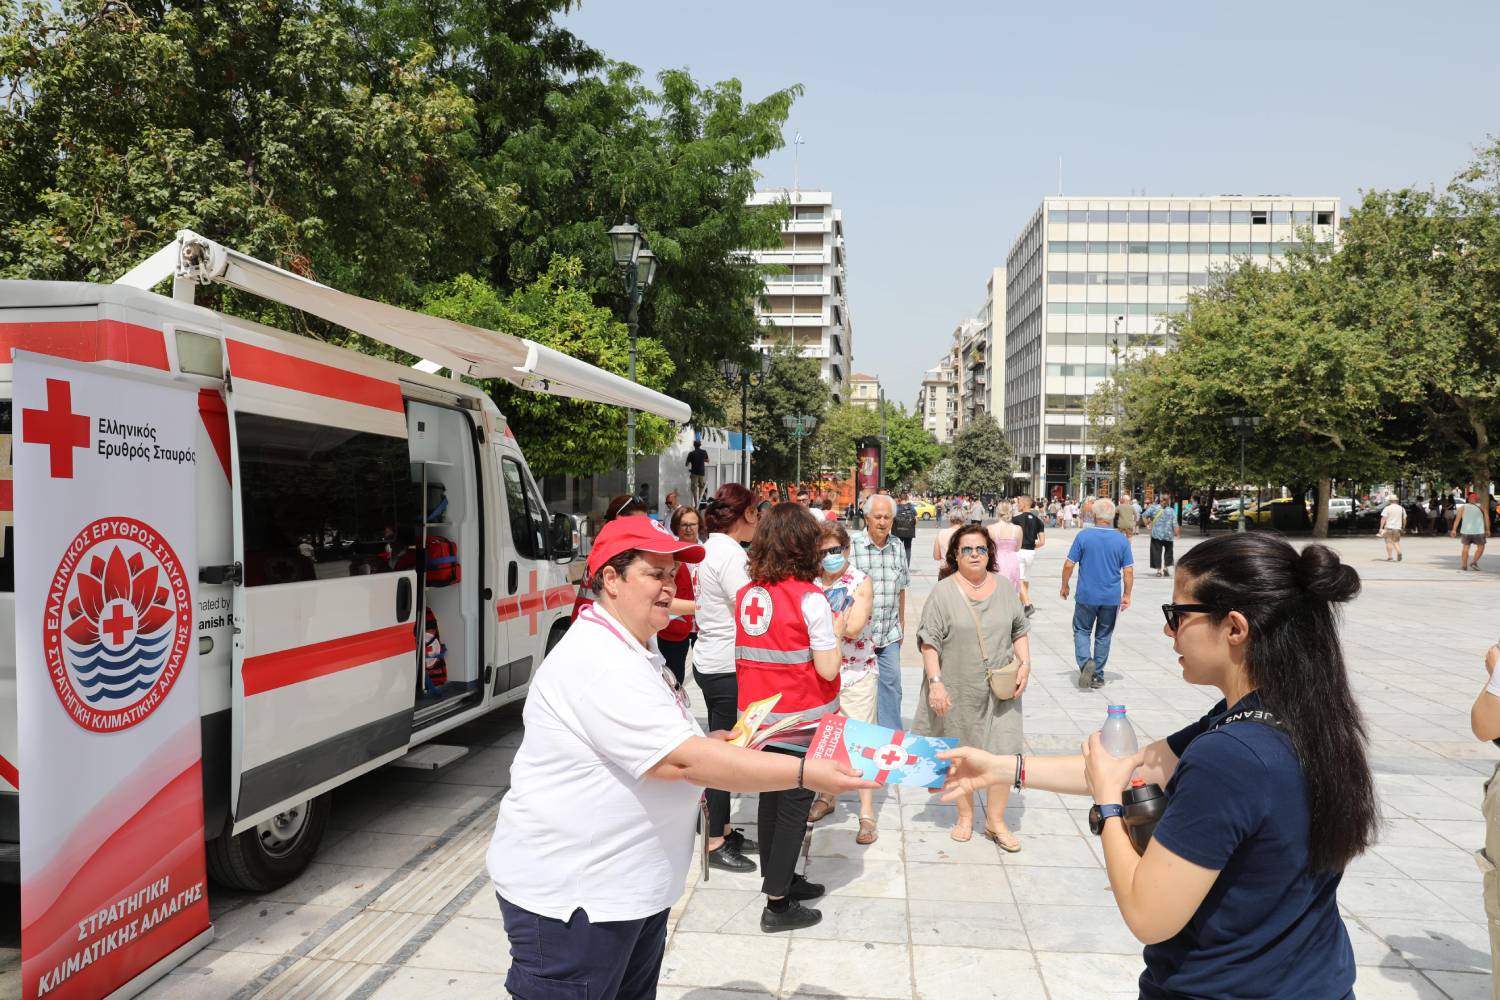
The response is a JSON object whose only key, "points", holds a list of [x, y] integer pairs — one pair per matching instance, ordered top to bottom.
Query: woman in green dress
{"points": [[956, 699]]}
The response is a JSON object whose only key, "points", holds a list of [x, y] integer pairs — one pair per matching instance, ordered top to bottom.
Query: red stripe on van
{"points": [[87, 340], [269, 367], [215, 416], [7, 495], [270, 671], [9, 773]]}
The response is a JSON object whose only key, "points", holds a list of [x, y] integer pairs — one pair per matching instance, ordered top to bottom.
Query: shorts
{"points": [[1391, 534], [1473, 540], [1026, 557], [857, 699]]}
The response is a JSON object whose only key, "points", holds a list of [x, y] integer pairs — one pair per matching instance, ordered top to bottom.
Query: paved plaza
{"points": [[398, 904]]}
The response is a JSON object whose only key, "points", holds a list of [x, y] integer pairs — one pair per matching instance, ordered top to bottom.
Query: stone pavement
{"points": [[398, 905]]}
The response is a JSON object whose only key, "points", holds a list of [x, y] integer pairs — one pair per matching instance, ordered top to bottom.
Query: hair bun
{"points": [[1326, 576]]}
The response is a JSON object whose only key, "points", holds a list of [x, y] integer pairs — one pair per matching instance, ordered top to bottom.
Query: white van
{"points": [[323, 474]]}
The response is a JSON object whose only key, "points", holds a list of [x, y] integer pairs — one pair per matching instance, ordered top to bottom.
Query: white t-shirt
{"points": [[1393, 517], [724, 570], [818, 617], [582, 827]]}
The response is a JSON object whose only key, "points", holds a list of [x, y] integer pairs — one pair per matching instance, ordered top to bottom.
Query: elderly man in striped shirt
{"points": [[883, 558]]}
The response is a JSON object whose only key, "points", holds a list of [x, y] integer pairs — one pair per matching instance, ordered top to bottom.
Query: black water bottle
{"points": [[1144, 805]]}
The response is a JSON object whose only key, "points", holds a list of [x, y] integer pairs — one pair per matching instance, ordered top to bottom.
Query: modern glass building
{"points": [[1093, 280]]}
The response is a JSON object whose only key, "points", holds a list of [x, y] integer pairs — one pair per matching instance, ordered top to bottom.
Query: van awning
{"points": [[442, 343]]}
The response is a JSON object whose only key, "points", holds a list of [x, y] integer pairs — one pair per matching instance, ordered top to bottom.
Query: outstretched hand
{"points": [[974, 769], [833, 779]]}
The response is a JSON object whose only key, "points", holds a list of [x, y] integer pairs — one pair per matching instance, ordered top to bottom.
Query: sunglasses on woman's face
{"points": [[835, 550], [974, 550], [1174, 612]]}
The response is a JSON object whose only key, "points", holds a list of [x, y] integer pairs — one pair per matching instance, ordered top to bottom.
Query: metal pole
{"points": [[635, 308], [745, 428], [798, 435], [1241, 487]]}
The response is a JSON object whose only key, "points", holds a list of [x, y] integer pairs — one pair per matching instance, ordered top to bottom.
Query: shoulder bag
{"points": [[1002, 680]]}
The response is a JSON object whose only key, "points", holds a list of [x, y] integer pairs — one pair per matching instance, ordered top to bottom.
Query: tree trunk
{"points": [[1480, 466], [1206, 510], [1320, 516]]}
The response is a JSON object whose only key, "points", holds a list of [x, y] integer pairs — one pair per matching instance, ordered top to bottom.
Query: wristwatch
{"points": [[1098, 814]]}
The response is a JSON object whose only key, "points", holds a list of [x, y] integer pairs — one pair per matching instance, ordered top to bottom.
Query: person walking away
{"points": [[697, 465], [1053, 509], [976, 511], [1087, 512], [1070, 514], [1127, 516], [731, 518], [1392, 524], [1468, 525], [904, 526], [1164, 534], [1033, 537], [940, 542], [1005, 543], [883, 559], [1106, 572], [850, 591], [971, 624], [675, 640], [786, 643], [1484, 720], [1268, 798], [594, 840]]}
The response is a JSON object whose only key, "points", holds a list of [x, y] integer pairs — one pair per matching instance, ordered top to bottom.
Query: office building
{"points": [[1091, 280], [806, 306], [864, 390], [937, 400]]}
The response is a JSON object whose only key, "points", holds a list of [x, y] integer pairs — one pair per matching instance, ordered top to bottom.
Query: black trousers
{"points": [[1161, 549], [675, 651], [721, 697], [782, 826]]}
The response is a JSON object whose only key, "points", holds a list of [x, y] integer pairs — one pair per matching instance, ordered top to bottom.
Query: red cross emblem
{"points": [[57, 427], [755, 611], [117, 624], [891, 757]]}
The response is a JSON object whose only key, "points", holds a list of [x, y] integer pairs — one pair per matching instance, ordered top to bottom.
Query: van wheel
{"points": [[555, 636], [273, 853]]}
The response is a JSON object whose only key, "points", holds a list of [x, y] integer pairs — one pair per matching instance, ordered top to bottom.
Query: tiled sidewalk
{"points": [[398, 905]]}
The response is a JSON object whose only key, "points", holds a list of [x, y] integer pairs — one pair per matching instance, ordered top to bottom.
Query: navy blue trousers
{"points": [[579, 960]]}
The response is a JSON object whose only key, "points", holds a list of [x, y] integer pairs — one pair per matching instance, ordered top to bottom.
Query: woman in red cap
{"points": [[595, 838]]}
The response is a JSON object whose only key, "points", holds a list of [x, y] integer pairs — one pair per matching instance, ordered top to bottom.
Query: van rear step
{"points": [[430, 757]]}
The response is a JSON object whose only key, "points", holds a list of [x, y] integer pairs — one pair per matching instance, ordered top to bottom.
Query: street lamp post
{"points": [[637, 266], [742, 375], [1115, 378], [801, 426], [1242, 426]]}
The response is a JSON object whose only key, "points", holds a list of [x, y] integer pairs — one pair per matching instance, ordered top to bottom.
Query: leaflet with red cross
{"points": [[888, 756]]}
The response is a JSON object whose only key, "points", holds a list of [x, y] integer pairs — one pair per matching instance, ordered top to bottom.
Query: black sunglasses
{"points": [[831, 552], [1174, 612]]}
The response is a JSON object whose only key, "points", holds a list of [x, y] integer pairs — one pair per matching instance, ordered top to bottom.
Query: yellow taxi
{"points": [[925, 510]]}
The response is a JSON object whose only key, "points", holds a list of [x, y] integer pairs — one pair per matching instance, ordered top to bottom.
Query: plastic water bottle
{"points": [[1118, 736]]}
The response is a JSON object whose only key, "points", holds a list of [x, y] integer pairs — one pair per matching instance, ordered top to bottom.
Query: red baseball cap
{"points": [[626, 533]]}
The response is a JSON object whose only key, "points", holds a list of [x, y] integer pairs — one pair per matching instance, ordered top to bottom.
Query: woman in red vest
{"points": [[786, 643]]}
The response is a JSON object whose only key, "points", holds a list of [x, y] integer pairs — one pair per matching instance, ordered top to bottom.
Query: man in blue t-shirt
{"points": [[1104, 560]]}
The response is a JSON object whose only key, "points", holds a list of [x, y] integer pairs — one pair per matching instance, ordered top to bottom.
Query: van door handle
{"points": [[513, 577], [403, 599]]}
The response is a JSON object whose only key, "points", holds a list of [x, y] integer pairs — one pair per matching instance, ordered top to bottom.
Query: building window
{"points": [[1259, 217], [1325, 218]]}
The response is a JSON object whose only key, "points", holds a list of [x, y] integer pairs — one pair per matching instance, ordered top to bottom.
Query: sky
{"points": [[938, 126]]}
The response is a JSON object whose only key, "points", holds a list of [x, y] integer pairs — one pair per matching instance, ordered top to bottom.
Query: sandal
{"points": [[820, 809], [967, 828], [868, 831], [1004, 839]]}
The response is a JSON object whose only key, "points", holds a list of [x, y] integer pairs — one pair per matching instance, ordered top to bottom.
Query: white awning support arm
{"points": [[464, 349]]}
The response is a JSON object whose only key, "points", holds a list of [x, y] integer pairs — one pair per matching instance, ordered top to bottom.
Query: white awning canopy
{"points": [[442, 343]]}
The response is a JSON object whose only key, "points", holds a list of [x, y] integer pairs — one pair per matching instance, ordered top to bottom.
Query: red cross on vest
{"points": [[57, 427], [753, 610], [117, 624], [891, 757]]}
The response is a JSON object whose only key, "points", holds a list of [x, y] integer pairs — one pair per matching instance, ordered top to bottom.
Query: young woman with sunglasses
{"points": [[956, 656], [1269, 795]]}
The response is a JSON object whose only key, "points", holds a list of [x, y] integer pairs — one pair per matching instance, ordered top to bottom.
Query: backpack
{"points": [[905, 523], [441, 565], [434, 654]]}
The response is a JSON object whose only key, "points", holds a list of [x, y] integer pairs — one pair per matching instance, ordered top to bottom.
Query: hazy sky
{"points": [[938, 126]]}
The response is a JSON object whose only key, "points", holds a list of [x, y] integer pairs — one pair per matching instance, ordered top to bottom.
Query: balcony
{"points": [[789, 257]]}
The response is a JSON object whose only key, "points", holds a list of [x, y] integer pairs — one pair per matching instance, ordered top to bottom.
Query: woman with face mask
{"points": [[850, 591]]}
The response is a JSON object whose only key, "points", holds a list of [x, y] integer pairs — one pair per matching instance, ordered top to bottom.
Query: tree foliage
{"points": [[792, 387], [909, 448], [981, 458]]}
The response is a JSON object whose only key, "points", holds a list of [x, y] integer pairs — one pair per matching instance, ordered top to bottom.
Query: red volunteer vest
{"points": [[772, 651]]}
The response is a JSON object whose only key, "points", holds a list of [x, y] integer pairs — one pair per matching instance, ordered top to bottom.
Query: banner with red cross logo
{"points": [[112, 871]]}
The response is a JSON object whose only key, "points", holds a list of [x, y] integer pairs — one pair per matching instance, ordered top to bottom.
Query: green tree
{"points": [[793, 386], [558, 435], [833, 448], [909, 448], [981, 458], [942, 478]]}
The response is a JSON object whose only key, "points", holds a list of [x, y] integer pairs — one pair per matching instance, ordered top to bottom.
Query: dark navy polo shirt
{"points": [[1269, 927]]}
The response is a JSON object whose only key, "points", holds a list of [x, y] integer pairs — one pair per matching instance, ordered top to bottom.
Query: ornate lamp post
{"points": [[637, 266], [742, 375], [801, 426], [1242, 426]]}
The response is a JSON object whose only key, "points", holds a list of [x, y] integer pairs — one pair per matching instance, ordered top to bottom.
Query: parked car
{"points": [[925, 510], [1265, 514]]}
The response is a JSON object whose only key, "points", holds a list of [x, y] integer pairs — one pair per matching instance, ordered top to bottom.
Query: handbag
{"points": [[1002, 680]]}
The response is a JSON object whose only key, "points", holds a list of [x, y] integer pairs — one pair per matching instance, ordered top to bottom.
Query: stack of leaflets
{"points": [[793, 730], [887, 756]]}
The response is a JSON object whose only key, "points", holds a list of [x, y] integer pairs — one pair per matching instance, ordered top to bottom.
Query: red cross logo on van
{"points": [[57, 427], [755, 611]]}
